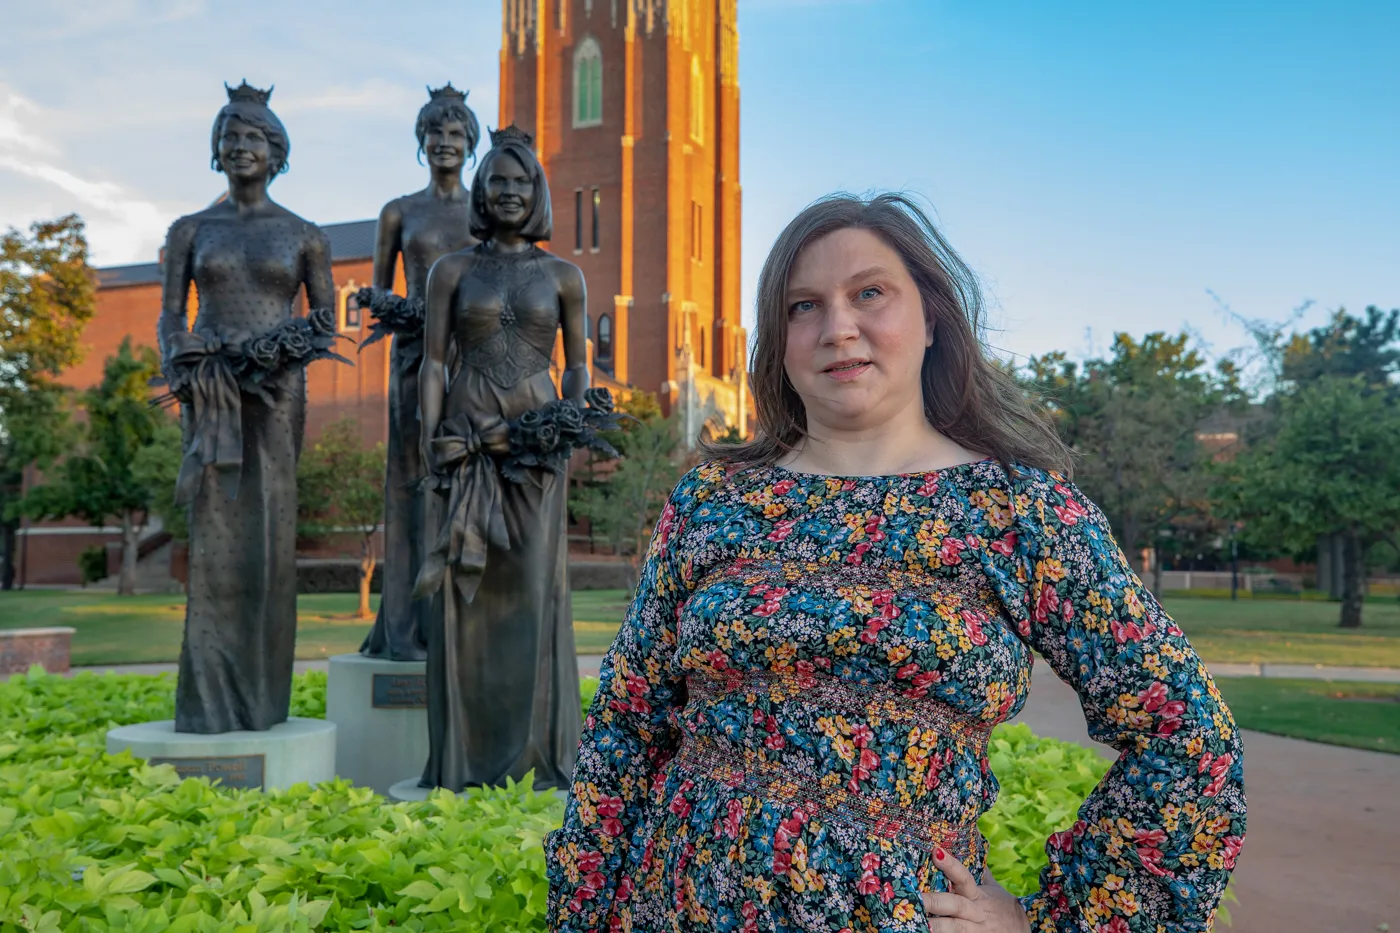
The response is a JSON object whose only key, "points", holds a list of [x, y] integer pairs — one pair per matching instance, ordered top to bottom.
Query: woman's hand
{"points": [[968, 908]]}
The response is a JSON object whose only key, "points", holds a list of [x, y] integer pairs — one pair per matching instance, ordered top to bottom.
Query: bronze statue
{"points": [[420, 227], [240, 377], [502, 674]]}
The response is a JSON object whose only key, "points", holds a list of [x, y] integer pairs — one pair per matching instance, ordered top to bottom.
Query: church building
{"points": [[634, 109]]}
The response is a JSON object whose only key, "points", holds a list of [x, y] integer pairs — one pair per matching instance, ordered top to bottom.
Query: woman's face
{"points": [[446, 144], [244, 150], [509, 191], [856, 331]]}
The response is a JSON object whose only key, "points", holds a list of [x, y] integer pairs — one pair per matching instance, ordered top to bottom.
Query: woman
{"points": [[420, 227], [240, 376], [502, 676], [791, 729]]}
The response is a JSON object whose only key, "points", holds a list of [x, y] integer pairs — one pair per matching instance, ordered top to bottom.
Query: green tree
{"points": [[47, 295], [1346, 346], [1313, 371], [1132, 420], [35, 428], [156, 467], [1331, 468], [98, 481], [340, 488], [622, 499]]}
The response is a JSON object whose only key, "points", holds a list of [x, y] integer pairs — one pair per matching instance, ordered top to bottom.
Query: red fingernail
{"points": [[940, 854]]}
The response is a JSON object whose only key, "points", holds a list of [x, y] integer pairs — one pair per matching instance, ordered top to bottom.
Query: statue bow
{"points": [[215, 411], [474, 519]]}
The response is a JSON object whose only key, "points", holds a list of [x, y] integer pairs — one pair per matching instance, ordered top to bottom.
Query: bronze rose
{"points": [[322, 320], [295, 342], [265, 351], [598, 398], [569, 418], [546, 438]]}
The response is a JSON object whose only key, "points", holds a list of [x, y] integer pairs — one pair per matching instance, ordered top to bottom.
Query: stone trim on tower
{"points": [[658, 144]]}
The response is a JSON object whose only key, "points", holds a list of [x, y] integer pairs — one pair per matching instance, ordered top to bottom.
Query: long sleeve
{"points": [[628, 735], [1154, 844]]}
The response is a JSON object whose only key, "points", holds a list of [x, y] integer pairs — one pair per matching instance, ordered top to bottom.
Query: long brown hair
{"points": [[967, 396]]}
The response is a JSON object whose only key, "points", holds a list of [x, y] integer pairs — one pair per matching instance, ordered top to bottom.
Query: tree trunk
{"points": [[8, 541], [1156, 571], [366, 575], [1353, 579], [126, 582]]}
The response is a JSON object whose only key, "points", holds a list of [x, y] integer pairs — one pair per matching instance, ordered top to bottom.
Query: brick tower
{"points": [[634, 106]]}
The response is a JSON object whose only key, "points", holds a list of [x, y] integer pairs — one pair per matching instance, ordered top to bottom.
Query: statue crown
{"points": [[449, 92], [246, 93], [511, 134]]}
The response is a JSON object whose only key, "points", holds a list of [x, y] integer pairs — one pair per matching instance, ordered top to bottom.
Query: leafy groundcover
{"points": [[97, 842]]}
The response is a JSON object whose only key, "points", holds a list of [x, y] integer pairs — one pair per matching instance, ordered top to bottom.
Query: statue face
{"points": [[446, 144], [244, 151], [509, 191]]}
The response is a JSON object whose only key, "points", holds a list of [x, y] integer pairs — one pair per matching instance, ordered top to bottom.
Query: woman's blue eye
{"points": [[869, 293], [801, 306]]}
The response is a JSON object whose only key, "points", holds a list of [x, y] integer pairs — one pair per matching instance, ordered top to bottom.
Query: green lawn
{"points": [[597, 615], [136, 629], [116, 630], [1288, 631], [1361, 715]]}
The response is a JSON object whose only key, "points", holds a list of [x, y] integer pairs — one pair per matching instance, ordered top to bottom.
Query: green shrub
{"points": [[92, 563], [1043, 782], [97, 842]]}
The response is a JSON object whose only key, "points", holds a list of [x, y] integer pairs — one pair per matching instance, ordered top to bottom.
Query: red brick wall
{"points": [[671, 170], [334, 391], [49, 648]]}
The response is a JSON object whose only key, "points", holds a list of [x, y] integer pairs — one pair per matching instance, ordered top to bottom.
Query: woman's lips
{"points": [[848, 370]]}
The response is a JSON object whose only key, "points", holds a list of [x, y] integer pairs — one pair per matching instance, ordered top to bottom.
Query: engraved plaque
{"points": [[400, 691], [240, 771]]}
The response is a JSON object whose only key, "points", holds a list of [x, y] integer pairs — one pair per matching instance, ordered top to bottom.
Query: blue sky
{"points": [[1102, 166]]}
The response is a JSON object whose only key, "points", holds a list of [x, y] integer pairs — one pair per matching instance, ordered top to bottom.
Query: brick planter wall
{"points": [[22, 647]]}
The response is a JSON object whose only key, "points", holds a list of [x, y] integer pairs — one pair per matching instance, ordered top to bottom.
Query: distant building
{"points": [[634, 106]]}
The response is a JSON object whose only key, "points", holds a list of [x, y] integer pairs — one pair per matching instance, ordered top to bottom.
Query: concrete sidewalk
{"points": [[1385, 675], [1323, 819]]}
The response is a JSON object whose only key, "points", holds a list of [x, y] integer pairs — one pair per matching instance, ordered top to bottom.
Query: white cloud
{"points": [[66, 18], [372, 96], [13, 134], [35, 181]]}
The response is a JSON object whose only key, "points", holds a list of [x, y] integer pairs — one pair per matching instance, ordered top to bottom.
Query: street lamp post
{"points": [[1234, 565]]}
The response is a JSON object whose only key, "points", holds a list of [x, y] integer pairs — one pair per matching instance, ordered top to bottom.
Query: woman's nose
{"points": [[839, 323]]}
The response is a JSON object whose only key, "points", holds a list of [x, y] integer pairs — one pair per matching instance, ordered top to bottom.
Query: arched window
{"points": [[588, 83], [697, 100], [352, 310], [604, 348]]}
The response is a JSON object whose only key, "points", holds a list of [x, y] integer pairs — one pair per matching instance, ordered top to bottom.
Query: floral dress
{"points": [[795, 713]]}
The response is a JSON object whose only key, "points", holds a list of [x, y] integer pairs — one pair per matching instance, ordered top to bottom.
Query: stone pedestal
{"points": [[381, 711], [296, 751], [408, 791]]}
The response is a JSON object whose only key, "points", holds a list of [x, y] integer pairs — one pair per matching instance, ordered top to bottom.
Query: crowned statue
{"points": [[417, 228], [239, 375], [502, 677]]}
